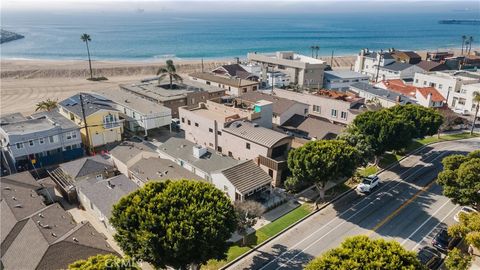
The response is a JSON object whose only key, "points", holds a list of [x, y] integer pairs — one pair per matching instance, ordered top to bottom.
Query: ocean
{"points": [[148, 36]]}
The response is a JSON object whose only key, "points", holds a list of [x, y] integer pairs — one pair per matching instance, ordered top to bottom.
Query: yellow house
{"points": [[103, 123]]}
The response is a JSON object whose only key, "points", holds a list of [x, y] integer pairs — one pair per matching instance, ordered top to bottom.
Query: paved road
{"points": [[408, 207]]}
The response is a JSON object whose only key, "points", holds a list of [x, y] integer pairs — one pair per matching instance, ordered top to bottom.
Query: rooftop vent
{"points": [[199, 151], [7, 188], [18, 206], [41, 215], [54, 234], [75, 239]]}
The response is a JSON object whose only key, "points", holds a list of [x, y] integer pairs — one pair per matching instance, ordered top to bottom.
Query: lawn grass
{"points": [[369, 170], [261, 235]]}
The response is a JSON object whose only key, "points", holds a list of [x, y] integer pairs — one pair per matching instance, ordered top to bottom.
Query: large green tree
{"points": [[476, 101], [427, 121], [384, 130], [360, 142], [318, 162], [460, 178], [180, 224], [468, 228], [361, 252], [456, 260], [104, 261]]}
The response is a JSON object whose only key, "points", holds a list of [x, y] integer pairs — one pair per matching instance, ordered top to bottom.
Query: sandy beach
{"points": [[26, 82]]}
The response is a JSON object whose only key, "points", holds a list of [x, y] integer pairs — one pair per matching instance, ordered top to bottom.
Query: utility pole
{"points": [[331, 60], [202, 64], [273, 77], [85, 124]]}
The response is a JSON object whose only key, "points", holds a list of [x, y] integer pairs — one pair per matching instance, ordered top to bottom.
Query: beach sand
{"points": [[26, 82]]}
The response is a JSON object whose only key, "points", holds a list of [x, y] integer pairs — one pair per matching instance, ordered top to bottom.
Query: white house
{"points": [[342, 79], [429, 97]]}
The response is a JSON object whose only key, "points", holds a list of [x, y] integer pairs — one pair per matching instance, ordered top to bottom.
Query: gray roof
{"points": [[386, 55], [396, 66], [344, 74], [223, 80], [382, 93], [134, 102], [91, 104], [280, 105], [12, 118], [57, 118], [37, 122], [313, 127], [255, 133], [183, 149], [127, 150], [87, 165], [160, 169], [247, 176], [105, 193], [35, 236]]}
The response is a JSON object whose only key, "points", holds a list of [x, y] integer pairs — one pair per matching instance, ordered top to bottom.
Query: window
{"points": [[416, 80], [207, 82], [424, 82], [440, 86], [255, 88], [449, 88], [244, 90], [463, 91], [461, 101], [316, 108], [125, 110], [305, 111], [334, 113], [133, 115], [343, 115], [108, 119], [183, 119], [189, 123], [196, 124], [210, 130], [219, 133], [53, 139], [41, 140], [210, 144], [19, 145], [247, 145], [219, 149], [270, 172], [99, 177], [225, 188]]}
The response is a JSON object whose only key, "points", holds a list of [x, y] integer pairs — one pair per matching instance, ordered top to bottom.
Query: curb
{"points": [[327, 204], [286, 229]]}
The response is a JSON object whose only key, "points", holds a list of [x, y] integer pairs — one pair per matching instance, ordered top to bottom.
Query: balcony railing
{"points": [[111, 125], [273, 164]]}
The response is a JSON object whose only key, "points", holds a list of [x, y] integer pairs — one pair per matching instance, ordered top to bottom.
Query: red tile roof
{"points": [[400, 87], [436, 96]]}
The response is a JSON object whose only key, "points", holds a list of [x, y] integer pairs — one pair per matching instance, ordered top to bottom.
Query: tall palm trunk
{"points": [[463, 44], [89, 61], [171, 81], [475, 118]]}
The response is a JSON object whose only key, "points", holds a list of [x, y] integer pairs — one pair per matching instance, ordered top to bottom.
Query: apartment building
{"points": [[409, 57], [307, 72], [342, 79], [234, 86], [456, 86], [188, 93], [425, 96], [336, 107], [139, 114], [99, 122], [243, 134], [39, 140]]}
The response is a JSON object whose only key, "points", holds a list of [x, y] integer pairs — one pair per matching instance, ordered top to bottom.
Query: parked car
{"points": [[368, 184], [466, 210], [444, 242], [430, 257]]}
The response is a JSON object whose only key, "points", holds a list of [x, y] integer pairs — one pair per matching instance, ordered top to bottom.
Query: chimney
{"points": [[398, 99], [429, 99]]}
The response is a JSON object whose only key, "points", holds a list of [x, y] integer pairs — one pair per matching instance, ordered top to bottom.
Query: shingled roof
{"points": [[255, 133], [85, 166], [247, 176]]}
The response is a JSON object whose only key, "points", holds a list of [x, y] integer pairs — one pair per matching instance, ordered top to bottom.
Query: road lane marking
{"points": [[378, 198], [403, 205], [441, 221], [425, 222]]}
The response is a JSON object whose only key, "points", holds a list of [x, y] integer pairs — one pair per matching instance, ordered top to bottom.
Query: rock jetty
{"points": [[6, 36]]}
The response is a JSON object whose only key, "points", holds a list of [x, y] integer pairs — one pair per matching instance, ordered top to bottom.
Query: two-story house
{"points": [[99, 122], [39, 140]]}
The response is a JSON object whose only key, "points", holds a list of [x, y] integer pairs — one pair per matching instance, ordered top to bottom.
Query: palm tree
{"points": [[86, 38], [464, 38], [313, 48], [169, 71], [476, 98], [46, 105]]}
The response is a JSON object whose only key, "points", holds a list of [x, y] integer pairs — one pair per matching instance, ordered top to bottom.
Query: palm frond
{"points": [[162, 70], [162, 77], [177, 77]]}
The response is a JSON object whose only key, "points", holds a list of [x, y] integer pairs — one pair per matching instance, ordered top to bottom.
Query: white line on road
{"points": [[368, 205], [441, 221], [425, 222]]}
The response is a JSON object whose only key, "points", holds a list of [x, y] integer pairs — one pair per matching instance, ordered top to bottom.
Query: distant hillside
{"points": [[6, 36]]}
